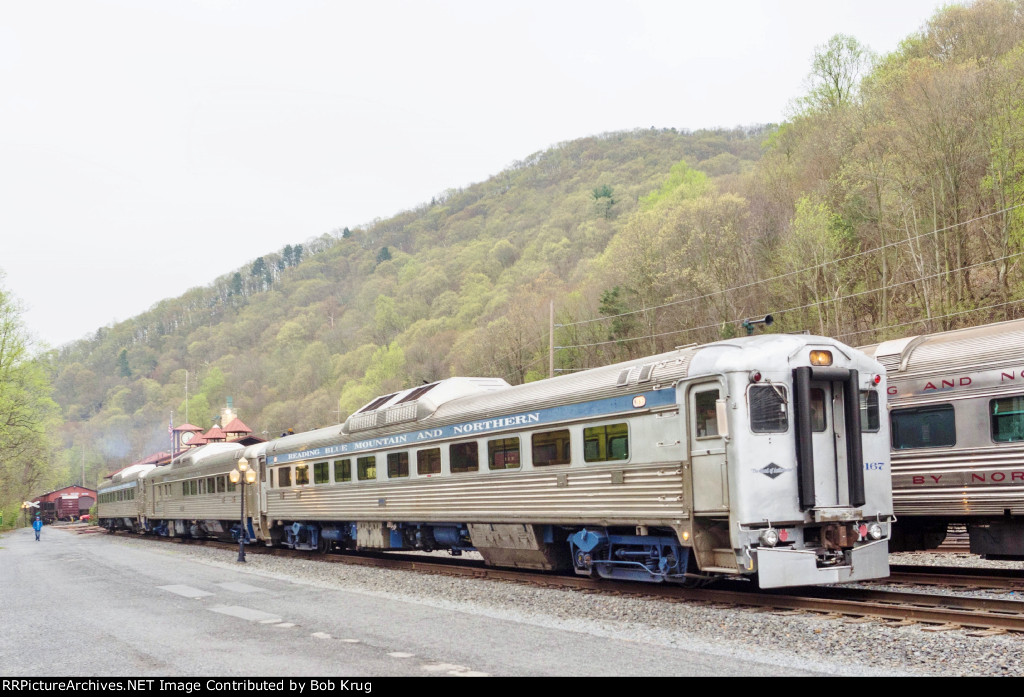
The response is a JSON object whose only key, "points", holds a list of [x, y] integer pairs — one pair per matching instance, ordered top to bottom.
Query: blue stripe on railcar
{"points": [[594, 409]]}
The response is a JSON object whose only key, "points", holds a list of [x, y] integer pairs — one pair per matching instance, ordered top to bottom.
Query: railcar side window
{"points": [[769, 412], [706, 413], [869, 419], [1007, 419], [924, 427], [606, 443], [550, 448], [503, 454], [463, 457], [428, 461], [398, 465], [366, 467], [343, 470], [301, 474], [321, 474], [284, 476], [220, 484], [192, 487], [184, 488]]}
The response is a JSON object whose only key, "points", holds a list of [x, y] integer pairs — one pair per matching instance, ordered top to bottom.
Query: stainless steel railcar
{"points": [[957, 419], [761, 455], [194, 496], [120, 503]]}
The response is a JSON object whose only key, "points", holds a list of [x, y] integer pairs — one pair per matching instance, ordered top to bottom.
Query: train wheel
{"points": [[323, 546]]}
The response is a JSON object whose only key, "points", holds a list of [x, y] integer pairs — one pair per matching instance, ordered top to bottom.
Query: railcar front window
{"points": [[818, 410], [769, 411], [706, 413], [869, 419], [1007, 419], [924, 427], [606, 443], [551, 448], [503, 454], [464, 457], [428, 461], [398, 465], [366, 467], [343, 470], [321, 473]]}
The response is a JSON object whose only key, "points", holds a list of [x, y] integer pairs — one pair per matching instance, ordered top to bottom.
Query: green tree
{"points": [[836, 72], [124, 370], [28, 415]]}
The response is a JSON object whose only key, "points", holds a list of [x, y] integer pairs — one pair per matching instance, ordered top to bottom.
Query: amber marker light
{"points": [[821, 358]]}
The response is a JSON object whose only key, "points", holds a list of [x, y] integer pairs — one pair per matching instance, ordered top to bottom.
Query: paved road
{"points": [[93, 605]]}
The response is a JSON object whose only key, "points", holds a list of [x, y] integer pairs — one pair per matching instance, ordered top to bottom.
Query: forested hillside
{"points": [[888, 204]]}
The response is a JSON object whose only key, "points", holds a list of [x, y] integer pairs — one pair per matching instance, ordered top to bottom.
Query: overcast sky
{"points": [[149, 146]]}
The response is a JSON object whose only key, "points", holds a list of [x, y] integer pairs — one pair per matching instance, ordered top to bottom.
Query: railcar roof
{"points": [[957, 349], [629, 377]]}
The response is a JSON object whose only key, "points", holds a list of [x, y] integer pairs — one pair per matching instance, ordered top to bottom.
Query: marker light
{"points": [[821, 358], [755, 376], [876, 380], [875, 531], [770, 537]]}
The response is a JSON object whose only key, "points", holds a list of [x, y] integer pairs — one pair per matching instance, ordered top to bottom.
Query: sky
{"points": [[147, 148]]}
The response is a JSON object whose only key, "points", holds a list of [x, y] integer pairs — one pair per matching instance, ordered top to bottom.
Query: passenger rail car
{"points": [[957, 421], [756, 457], [737, 458], [121, 501]]}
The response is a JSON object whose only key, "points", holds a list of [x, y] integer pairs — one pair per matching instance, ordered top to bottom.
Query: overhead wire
{"points": [[793, 273]]}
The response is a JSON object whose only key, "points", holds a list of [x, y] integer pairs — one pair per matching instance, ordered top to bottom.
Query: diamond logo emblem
{"points": [[771, 470]]}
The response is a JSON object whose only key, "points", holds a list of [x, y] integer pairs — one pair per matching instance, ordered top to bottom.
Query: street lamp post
{"points": [[243, 475]]}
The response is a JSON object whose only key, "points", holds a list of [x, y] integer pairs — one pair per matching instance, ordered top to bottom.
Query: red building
{"points": [[65, 504]]}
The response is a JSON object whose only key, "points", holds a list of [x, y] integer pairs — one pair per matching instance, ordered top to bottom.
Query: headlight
{"points": [[822, 358], [875, 531], [770, 537]]}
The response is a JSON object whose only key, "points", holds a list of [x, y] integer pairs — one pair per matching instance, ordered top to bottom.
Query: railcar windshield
{"points": [[768, 410]]}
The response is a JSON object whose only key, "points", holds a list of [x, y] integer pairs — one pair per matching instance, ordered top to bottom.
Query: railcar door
{"points": [[707, 449]]}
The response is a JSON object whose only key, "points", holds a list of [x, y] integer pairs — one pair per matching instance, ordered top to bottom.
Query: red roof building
{"points": [[57, 504]]}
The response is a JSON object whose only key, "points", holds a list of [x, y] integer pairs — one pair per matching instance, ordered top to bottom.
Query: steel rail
{"points": [[946, 611]]}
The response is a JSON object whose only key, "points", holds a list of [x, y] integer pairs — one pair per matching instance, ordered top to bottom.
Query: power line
{"points": [[793, 273], [817, 304]]}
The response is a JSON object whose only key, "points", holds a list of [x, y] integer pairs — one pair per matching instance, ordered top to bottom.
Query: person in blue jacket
{"points": [[37, 525]]}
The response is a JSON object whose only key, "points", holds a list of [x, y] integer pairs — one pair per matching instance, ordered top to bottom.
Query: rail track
{"points": [[936, 612]]}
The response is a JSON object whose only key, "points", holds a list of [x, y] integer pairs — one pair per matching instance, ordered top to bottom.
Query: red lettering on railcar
{"points": [[1014, 476]]}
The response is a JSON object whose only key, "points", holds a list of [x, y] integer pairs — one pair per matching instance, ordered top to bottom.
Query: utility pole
{"points": [[551, 341]]}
